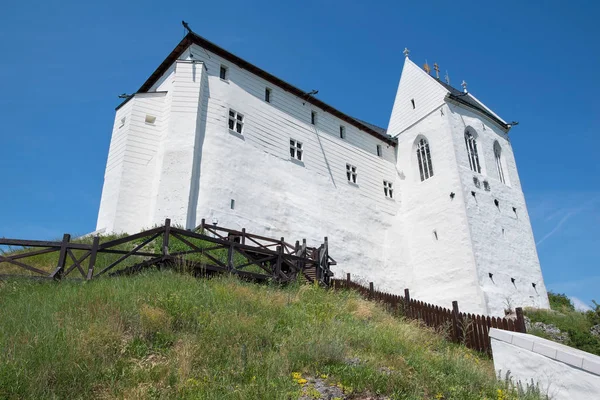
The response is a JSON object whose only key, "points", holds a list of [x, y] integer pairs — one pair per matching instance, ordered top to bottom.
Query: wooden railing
{"points": [[206, 250], [469, 329]]}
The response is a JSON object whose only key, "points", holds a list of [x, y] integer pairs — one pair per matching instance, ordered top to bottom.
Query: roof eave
{"points": [[192, 38], [481, 111]]}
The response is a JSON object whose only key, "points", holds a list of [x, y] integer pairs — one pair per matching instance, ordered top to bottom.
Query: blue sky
{"points": [[537, 62]]}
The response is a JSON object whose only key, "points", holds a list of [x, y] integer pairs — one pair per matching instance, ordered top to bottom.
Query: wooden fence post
{"points": [[202, 226], [243, 235], [165, 243], [230, 253], [93, 254], [62, 258], [279, 260], [348, 280], [371, 291], [407, 303], [520, 320], [456, 326]]}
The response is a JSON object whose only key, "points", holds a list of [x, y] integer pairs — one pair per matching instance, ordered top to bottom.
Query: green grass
{"points": [[564, 316], [168, 335]]}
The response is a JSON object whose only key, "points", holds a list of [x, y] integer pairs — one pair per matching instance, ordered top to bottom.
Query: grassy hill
{"points": [[168, 335]]}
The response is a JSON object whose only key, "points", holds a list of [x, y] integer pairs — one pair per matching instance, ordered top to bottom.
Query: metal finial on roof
{"points": [[186, 26], [406, 52], [426, 67], [436, 68], [447, 78], [464, 85]]}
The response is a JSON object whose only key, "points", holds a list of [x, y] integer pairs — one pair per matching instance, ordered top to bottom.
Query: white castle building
{"points": [[433, 203]]}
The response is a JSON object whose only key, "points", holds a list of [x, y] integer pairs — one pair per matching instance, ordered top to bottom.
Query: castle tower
{"points": [[465, 220]]}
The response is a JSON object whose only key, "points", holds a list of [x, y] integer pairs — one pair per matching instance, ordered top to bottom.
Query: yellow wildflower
{"points": [[296, 375], [301, 381]]}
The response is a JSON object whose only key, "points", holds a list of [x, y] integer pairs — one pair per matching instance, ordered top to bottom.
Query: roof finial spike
{"points": [[186, 26], [406, 52], [426, 67], [436, 68], [447, 78], [464, 85]]}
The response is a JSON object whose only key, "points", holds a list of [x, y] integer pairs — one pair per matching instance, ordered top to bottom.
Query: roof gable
{"points": [[193, 38]]}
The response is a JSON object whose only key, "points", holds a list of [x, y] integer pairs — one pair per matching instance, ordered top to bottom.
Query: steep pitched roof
{"points": [[193, 38], [470, 101]]}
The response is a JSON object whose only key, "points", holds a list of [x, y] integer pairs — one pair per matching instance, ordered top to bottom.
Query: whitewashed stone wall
{"points": [[188, 165], [562, 372]]}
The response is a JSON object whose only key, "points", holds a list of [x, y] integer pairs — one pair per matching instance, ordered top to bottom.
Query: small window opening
{"points": [[223, 72], [267, 95], [413, 103], [313, 117], [150, 119], [236, 121], [122, 122], [342, 132], [296, 150], [379, 150], [472, 154], [498, 158], [424, 160], [351, 173], [476, 182], [486, 186], [388, 189], [473, 193], [497, 203], [232, 204], [515, 211], [502, 232], [435, 235], [491, 275], [513, 281]]}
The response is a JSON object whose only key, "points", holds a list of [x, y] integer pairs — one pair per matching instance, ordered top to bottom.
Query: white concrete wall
{"points": [[188, 166], [127, 193], [276, 196], [502, 239], [442, 269], [562, 372]]}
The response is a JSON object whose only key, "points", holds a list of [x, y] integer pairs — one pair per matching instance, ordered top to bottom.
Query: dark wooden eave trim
{"points": [[192, 38], [486, 113]]}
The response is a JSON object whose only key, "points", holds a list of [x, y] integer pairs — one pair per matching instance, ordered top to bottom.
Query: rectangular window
{"points": [[223, 72], [267, 95], [313, 117], [150, 119], [236, 121], [122, 122], [342, 132], [295, 149], [379, 150], [351, 173], [388, 190]]}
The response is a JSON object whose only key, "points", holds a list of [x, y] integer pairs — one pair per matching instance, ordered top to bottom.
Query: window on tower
{"points": [[223, 72], [236, 121], [471, 145], [296, 150], [498, 157], [424, 159], [351, 173], [388, 189]]}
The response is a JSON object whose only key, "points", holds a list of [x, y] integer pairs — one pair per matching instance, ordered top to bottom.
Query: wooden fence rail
{"points": [[204, 250], [470, 329]]}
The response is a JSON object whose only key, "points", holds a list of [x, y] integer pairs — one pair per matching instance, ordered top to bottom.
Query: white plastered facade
{"points": [[172, 155]]}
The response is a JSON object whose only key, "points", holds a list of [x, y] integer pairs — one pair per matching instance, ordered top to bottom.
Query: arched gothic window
{"points": [[471, 144], [498, 157], [424, 159]]}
